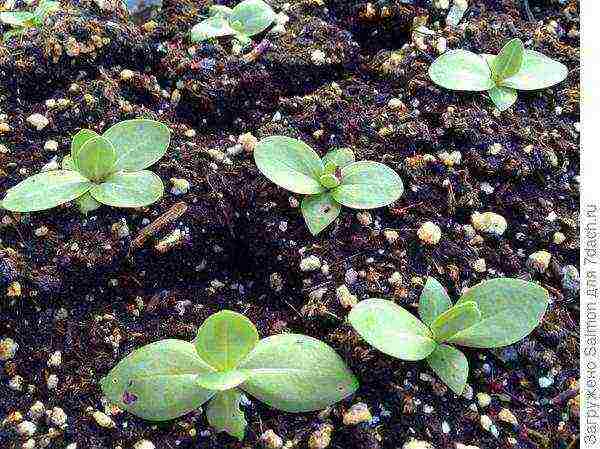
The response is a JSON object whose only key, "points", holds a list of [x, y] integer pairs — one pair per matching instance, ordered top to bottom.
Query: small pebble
{"points": [[318, 57], [127, 74], [38, 121], [51, 145], [181, 186], [364, 218], [489, 222], [429, 233], [391, 236], [558, 238], [539, 261], [310, 263], [479, 266], [395, 278], [570, 279], [346, 298], [8, 349], [55, 359], [52, 382], [545, 382], [16, 383], [483, 399], [37, 410], [357, 414], [57, 417], [508, 417], [103, 420], [488, 425], [26, 429], [320, 438], [270, 440], [144, 444], [418, 444]]}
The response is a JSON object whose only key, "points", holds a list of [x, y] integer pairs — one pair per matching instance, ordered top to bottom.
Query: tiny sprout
{"points": [[245, 20], [21, 21], [514, 68], [101, 169], [330, 182], [492, 314], [169, 378]]}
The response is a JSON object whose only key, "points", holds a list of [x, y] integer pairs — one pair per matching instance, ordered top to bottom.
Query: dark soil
{"points": [[95, 297]]}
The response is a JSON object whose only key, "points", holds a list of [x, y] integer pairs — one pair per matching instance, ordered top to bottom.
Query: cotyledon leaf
{"points": [[255, 16], [16, 18], [216, 26], [508, 62], [461, 70], [537, 72], [502, 97], [77, 142], [340, 157], [96, 159], [289, 163], [367, 185], [124, 189], [46, 190], [319, 211], [433, 302], [510, 310], [454, 320], [392, 329], [224, 339], [451, 366], [297, 373], [223, 380], [159, 381], [224, 415]]}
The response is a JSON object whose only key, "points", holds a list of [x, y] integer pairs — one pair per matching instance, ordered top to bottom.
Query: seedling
{"points": [[245, 20], [21, 21], [514, 68], [101, 169], [330, 182], [494, 313], [169, 378]]}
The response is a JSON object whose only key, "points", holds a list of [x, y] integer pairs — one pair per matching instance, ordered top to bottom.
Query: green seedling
{"points": [[245, 20], [21, 21], [502, 75], [101, 169], [330, 182], [492, 314], [167, 379]]}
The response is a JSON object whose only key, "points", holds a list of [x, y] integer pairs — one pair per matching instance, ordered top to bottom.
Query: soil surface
{"points": [[95, 288]]}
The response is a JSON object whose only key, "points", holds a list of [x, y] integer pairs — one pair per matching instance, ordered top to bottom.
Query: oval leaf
{"points": [[254, 16], [16, 18], [216, 26], [509, 60], [461, 70], [537, 72], [503, 97], [78, 140], [139, 143], [340, 157], [96, 159], [289, 163], [367, 185], [135, 189], [46, 190], [86, 203], [319, 211], [433, 302], [510, 310], [458, 318], [391, 329], [225, 338], [451, 366], [297, 373], [223, 380], [158, 381], [224, 415]]}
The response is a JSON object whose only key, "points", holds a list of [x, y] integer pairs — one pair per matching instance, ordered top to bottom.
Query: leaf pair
{"points": [[22, 20], [245, 20], [514, 68], [101, 169], [330, 182], [494, 313], [169, 378]]}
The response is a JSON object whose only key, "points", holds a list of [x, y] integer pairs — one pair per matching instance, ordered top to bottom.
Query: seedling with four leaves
{"points": [[245, 20], [21, 21], [502, 75], [101, 169], [330, 182], [492, 314], [169, 378]]}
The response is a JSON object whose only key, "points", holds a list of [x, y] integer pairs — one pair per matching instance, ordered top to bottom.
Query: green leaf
{"points": [[45, 8], [215, 10], [255, 16], [16, 18], [216, 26], [509, 60], [461, 70], [537, 72], [502, 97], [77, 142], [139, 143], [340, 157], [96, 159], [67, 163], [289, 163], [329, 180], [367, 185], [134, 189], [46, 190], [86, 203], [319, 211], [433, 302], [510, 310], [454, 320], [391, 329], [225, 338], [451, 366], [297, 373], [223, 380], [159, 381], [224, 414]]}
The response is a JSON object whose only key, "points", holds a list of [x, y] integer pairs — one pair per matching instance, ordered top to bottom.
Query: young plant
{"points": [[245, 20], [21, 21], [514, 68], [101, 169], [330, 182], [494, 313], [169, 378]]}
